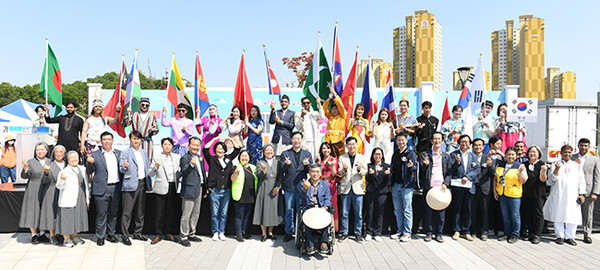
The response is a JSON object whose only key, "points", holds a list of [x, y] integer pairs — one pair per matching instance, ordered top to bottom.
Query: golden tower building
{"points": [[418, 51], [505, 55], [531, 57], [379, 69], [552, 82], [567, 85]]}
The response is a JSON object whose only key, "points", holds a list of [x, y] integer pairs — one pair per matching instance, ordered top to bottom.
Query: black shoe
{"points": [[247, 235], [138, 236], [170, 237], [272, 237], [343, 237], [484, 237], [502, 237], [194, 238], [239, 238], [263, 238], [287, 238], [358, 238], [35, 239], [43, 239], [112, 239], [439, 239], [512, 239], [535, 239], [156, 240], [587, 240], [55, 241], [78, 241], [126, 241], [559, 241], [100, 242], [571, 242], [185, 243], [324, 249], [310, 251]]}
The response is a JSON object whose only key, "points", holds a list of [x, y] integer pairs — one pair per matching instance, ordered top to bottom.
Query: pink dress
{"points": [[209, 131], [328, 164]]}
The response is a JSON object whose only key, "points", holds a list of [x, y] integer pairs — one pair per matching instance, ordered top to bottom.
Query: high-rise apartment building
{"points": [[418, 51], [505, 56], [379, 68], [560, 85]]}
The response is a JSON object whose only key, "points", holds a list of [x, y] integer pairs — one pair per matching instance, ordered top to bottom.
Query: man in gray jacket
{"points": [[591, 171]]}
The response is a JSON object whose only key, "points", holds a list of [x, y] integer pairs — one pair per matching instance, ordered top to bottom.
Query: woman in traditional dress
{"points": [[235, 124], [255, 126], [209, 127], [360, 128], [453, 128], [383, 131], [510, 132], [330, 169], [33, 170], [73, 201], [50, 203], [268, 210]]}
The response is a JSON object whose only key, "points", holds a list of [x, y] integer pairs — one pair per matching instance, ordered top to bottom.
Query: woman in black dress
{"points": [[534, 191]]}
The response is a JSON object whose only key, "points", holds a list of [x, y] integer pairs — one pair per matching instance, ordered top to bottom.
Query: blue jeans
{"points": [[181, 150], [6, 172], [402, 199], [356, 202], [219, 203], [291, 203], [510, 214], [242, 216]]}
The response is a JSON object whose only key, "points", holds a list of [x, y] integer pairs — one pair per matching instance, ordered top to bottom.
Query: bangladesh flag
{"points": [[319, 79], [51, 83], [176, 90]]}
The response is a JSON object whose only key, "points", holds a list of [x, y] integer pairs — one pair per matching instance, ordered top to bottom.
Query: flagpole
{"points": [[243, 54], [333, 57], [268, 74], [132, 77], [169, 81], [46, 82], [197, 88]]}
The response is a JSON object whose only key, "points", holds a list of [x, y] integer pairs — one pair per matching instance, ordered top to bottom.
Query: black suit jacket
{"points": [[282, 131], [292, 174], [217, 175], [486, 175], [100, 179], [191, 179], [426, 179], [378, 182]]}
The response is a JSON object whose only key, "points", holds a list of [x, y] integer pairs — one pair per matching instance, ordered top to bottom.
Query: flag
{"points": [[337, 64], [318, 80], [51, 83], [478, 87], [274, 88], [176, 90], [133, 91], [242, 93], [200, 94], [369, 94], [348, 95], [118, 97], [389, 97], [445, 113]]}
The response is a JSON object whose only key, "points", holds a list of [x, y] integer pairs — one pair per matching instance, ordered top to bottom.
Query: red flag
{"points": [[242, 94], [348, 94], [118, 97], [446, 112]]}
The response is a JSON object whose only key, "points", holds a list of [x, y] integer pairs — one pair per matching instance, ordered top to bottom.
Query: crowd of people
{"points": [[498, 184]]}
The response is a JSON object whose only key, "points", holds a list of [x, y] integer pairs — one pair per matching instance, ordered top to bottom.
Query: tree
{"points": [[295, 64]]}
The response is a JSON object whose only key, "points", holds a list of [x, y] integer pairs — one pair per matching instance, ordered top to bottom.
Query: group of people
{"points": [[497, 183]]}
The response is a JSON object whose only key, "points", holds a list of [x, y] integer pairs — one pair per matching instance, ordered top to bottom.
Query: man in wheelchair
{"points": [[315, 193]]}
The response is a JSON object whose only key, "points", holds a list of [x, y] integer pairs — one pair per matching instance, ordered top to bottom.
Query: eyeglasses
{"points": [[306, 103], [144, 105], [181, 110]]}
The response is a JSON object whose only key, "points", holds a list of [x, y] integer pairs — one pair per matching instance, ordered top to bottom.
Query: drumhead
{"points": [[438, 199], [316, 218]]}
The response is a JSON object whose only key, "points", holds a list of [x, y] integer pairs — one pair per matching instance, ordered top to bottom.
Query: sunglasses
{"points": [[306, 103], [144, 105], [181, 110]]}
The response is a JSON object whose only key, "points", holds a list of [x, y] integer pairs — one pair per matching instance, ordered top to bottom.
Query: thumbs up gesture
{"points": [[458, 158], [90, 160], [194, 161], [426, 161], [489, 161], [305, 162], [24, 163], [157, 163], [125, 164], [409, 164], [263, 167], [46, 168], [371, 171], [388, 171], [63, 176], [306, 184]]}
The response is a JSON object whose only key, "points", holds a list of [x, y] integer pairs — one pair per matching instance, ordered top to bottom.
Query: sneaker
{"points": [[395, 236], [455, 236], [467, 236], [215, 237], [222, 237], [343, 237], [484, 237], [502, 237], [194, 238], [239, 238], [358, 238], [368, 238], [378, 238], [405, 238], [427, 238], [439, 239], [512, 239], [535, 239], [78, 241], [559, 241], [571, 242], [185, 243], [69, 244], [324, 248], [310, 251]]}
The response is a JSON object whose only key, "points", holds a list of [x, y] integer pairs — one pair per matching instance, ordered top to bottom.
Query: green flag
{"points": [[319, 79], [51, 84]]}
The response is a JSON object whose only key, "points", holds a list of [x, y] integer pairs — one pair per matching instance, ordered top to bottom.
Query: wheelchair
{"points": [[323, 219]]}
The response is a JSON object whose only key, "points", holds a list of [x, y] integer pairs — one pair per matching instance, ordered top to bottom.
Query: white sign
{"points": [[522, 110]]}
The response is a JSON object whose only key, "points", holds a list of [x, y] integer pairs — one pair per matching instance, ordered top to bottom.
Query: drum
{"points": [[438, 199], [316, 218]]}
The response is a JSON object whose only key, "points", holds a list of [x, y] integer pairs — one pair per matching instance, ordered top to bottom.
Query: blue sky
{"points": [[89, 37]]}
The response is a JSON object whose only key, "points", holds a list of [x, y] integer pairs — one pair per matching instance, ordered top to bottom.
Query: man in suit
{"points": [[284, 124], [134, 164], [404, 165], [464, 168], [293, 169], [352, 169], [591, 171], [192, 177], [106, 188], [483, 191], [315, 192]]}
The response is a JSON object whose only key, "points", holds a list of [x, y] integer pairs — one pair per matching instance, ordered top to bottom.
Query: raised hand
{"points": [[272, 106], [164, 110], [458, 158], [90, 160], [578, 160], [194, 161], [288, 161], [426, 161], [489, 161], [305, 162], [24, 163], [157, 163], [125, 164], [409, 164], [557, 164], [263, 167], [46, 168], [371, 171], [388, 171], [63, 176], [306, 184]]}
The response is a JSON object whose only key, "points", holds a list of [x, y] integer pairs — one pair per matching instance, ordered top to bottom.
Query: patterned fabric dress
{"points": [[408, 120], [96, 126], [148, 126], [449, 126], [209, 128], [235, 130], [360, 130], [509, 132], [383, 139], [255, 141], [328, 165]]}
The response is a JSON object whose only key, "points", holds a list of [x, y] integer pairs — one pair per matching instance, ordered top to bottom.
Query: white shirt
{"points": [[583, 159], [465, 160], [42, 161], [140, 161], [222, 161], [269, 161], [111, 166], [169, 168], [199, 168]]}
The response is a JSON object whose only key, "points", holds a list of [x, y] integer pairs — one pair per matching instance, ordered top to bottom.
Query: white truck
{"points": [[563, 121]]}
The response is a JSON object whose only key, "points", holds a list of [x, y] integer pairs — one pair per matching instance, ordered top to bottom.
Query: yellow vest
{"points": [[513, 187]]}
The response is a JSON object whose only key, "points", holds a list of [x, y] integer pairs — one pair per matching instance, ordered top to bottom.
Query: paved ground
{"points": [[17, 253]]}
